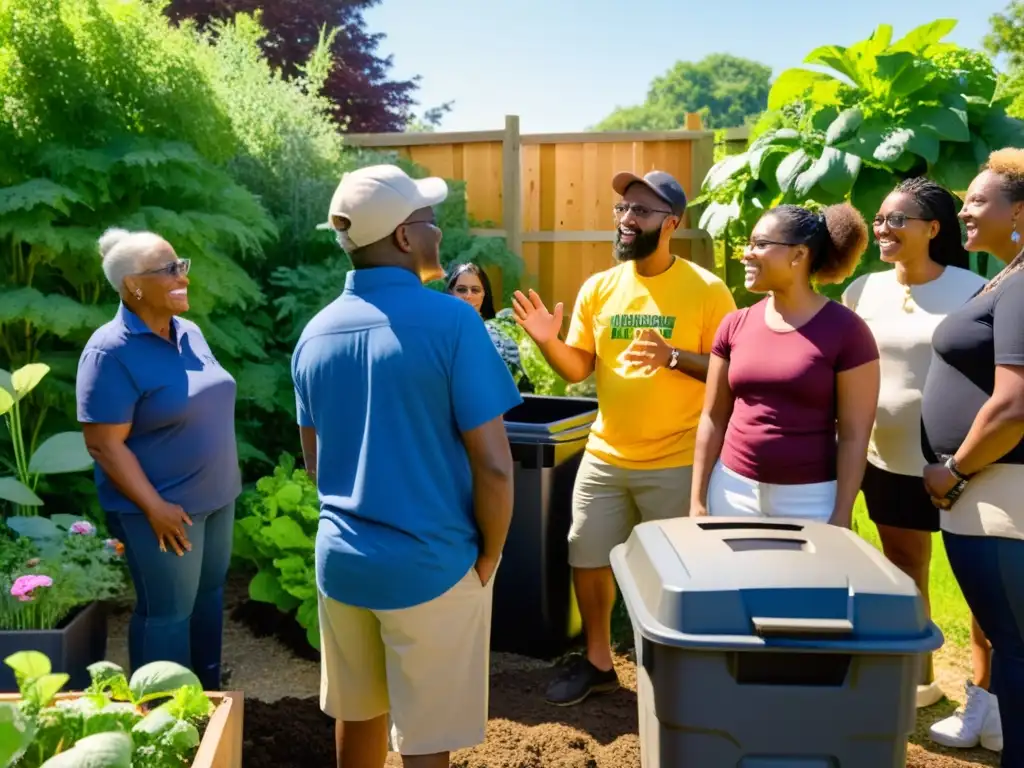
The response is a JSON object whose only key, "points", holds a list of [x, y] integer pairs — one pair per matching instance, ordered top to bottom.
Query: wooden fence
{"points": [[550, 196]]}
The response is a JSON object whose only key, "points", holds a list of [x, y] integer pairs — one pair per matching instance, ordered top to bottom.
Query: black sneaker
{"points": [[579, 680]]}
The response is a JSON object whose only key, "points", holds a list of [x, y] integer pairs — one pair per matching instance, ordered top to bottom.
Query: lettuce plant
{"points": [[277, 533], [152, 720]]}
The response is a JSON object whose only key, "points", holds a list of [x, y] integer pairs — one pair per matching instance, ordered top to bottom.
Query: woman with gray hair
{"points": [[157, 412]]}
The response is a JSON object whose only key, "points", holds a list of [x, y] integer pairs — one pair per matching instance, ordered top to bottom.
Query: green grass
{"points": [[949, 610]]}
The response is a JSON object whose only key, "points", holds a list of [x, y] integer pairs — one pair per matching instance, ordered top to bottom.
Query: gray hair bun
{"points": [[110, 240]]}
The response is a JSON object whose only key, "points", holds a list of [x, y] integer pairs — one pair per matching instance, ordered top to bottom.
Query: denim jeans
{"points": [[990, 571], [179, 614]]}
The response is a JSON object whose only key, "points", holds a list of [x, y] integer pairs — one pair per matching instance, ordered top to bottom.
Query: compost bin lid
{"points": [[723, 581]]}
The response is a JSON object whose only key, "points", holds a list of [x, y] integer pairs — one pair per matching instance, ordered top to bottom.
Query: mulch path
{"points": [[284, 727]]}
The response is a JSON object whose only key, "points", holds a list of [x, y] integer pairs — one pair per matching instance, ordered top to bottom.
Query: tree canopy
{"points": [[726, 90], [365, 98]]}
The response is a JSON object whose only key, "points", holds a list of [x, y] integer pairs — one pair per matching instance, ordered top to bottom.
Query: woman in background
{"points": [[918, 233], [471, 284], [785, 374], [972, 414], [158, 416]]}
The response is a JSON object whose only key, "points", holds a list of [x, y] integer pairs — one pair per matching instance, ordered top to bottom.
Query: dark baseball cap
{"points": [[660, 183]]}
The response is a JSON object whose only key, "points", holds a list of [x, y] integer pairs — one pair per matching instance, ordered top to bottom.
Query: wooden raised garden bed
{"points": [[221, 743]]}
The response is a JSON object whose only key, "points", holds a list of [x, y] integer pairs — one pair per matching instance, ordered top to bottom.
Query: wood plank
{"points": [[605, 137], [415, 139]]}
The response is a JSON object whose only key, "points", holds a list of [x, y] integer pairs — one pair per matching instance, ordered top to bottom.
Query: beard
{"points": [[644, 244]]}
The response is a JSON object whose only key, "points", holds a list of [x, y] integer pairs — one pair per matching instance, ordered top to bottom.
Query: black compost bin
{"points": [[535, 610]]}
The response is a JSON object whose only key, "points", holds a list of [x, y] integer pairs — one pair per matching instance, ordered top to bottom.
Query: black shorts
{"points": [[899, 501]]}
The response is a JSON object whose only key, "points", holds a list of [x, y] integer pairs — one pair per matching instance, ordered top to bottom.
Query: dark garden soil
{"points": [[270, 660]]}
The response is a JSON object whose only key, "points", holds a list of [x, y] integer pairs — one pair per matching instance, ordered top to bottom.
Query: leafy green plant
{"points": [[876, 112], [541, 375], [60, 453], [276, 533], [53, 565], [114, 723]]}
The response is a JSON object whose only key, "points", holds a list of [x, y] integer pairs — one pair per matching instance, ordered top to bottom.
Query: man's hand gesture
{"points": [[534, 318]]}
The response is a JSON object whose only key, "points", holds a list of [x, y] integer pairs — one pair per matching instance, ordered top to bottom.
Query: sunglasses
{"points": [[174, 269]]}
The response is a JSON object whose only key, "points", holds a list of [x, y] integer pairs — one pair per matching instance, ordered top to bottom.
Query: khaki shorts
{"points": [[607, 501], [427, 665]]}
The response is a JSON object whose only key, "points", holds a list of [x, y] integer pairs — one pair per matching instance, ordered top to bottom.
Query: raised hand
{"points": [[534, 317]]}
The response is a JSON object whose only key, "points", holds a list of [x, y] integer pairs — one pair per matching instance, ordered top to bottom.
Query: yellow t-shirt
{"points": [[647, 420]]}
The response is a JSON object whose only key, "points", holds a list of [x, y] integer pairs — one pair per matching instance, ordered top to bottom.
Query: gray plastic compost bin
{"points": [[534, 610], [770, 644]]}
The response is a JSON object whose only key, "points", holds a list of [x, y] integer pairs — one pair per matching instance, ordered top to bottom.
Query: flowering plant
{"points": [[53, 568]]}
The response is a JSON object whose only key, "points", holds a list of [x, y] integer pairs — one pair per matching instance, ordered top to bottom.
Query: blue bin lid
{"points": [[746, 583]]}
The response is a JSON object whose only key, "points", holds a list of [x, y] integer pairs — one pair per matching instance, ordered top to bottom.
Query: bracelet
{"points": [[956, 490]]}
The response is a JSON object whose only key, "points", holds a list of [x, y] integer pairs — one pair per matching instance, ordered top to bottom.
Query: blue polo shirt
{"points": [[390, 375], [180, 403]]}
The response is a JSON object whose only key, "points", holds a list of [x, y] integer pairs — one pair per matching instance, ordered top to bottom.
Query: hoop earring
{"points": [[138, 292]]}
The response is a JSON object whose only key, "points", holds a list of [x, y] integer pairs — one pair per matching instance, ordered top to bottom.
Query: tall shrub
{"points": [[872, 114], [109, 120]]}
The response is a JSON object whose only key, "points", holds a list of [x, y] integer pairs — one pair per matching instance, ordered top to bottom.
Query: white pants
{"points": [[732, 495]]}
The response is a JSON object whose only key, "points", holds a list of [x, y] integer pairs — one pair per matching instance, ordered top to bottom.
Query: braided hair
{"points": [[1008, 165], [937, 203], [837, 238]]}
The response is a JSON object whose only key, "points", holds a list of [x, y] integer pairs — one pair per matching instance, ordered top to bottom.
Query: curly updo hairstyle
{"points": [[1008, 164], [937, 203], [837, 238]]}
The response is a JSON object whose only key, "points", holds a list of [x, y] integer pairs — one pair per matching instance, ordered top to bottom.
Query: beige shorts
{"points": [[607, 501], [427, 665]]}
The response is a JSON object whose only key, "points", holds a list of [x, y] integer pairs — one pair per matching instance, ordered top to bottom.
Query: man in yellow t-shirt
{"points": [[645, 329]]}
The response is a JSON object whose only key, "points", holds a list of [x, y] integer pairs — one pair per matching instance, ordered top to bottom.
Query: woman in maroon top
{"points": [[793, 382]]}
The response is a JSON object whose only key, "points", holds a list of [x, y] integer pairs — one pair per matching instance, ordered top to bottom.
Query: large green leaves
{"points": [[921, 38], [794, 85], [835, 172], [63, 452], [16, 492], [159, 679], [16, 732], [101, 750]]}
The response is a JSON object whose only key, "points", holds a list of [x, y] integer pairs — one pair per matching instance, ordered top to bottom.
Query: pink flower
{"points": [[83, 527], [24, 586]]}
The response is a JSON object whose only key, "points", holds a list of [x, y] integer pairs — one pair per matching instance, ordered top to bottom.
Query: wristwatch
{"points": [[673, 360], [955, 470], [961, 480]]}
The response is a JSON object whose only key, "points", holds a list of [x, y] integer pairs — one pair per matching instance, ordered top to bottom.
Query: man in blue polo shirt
{"points": [[400, 396]]}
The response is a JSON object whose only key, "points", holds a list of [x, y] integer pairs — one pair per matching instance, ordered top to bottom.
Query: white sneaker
{"points": [[928, 695], [962, 729], [992, 730]]}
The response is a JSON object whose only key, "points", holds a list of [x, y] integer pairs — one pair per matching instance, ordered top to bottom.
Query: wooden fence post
{"points": [[702, 157], [512, 187]]}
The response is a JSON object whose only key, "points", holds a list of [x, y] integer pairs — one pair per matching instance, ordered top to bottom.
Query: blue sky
{"points": [[562, 65]]}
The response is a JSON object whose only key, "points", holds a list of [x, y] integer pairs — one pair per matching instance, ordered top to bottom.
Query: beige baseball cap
{"points": [[377, 199]]}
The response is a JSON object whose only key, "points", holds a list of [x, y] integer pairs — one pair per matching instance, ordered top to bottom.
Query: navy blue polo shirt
{"points": [[390, 375], [180, 403]]}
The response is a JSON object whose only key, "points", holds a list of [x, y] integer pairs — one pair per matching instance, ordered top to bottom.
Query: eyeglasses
{"points": [[639, 211], [896, 220], [763, 245], [174, 269]]}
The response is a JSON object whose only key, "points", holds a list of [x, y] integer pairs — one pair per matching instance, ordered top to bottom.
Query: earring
{"points": [[1015, 236], [138, 293]]}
